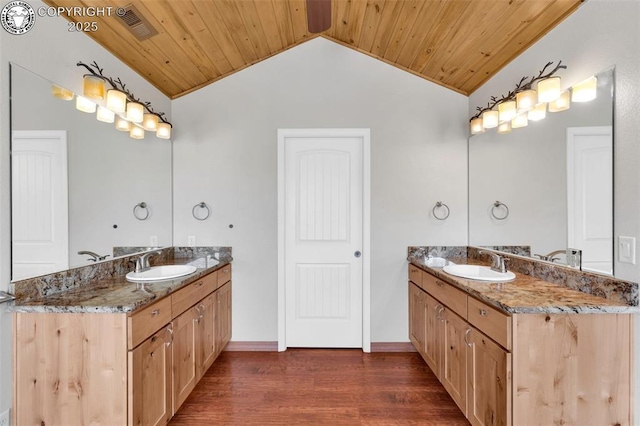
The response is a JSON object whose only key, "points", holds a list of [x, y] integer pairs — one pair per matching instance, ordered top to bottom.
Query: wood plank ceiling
{"points": [[458, 44]]}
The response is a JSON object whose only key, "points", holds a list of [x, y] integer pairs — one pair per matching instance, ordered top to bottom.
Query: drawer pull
{"points": [[226, 271], [199, 283], [439, 283], [155, 312], [483, 312], [170, 330], [466, 337]]}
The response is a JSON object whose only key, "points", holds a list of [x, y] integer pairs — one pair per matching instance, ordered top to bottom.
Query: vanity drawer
{"points": [[224, 275], [415, 275], [188, 296], [455, 299], [491, 322], [142, 324]]}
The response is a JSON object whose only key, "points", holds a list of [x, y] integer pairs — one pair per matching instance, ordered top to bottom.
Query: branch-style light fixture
{"points": [[524, 103], [116, 104]]}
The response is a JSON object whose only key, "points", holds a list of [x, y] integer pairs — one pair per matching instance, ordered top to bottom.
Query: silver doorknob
{"points": [[357, 254]]}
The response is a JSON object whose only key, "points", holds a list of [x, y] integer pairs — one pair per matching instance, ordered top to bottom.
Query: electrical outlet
{"points": [[153, 241], [191, 241], [627, 250], [5, 418]]}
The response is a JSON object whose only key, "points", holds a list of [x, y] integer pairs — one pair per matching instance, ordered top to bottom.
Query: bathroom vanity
{"points": [[116, 352], [525, 352]]}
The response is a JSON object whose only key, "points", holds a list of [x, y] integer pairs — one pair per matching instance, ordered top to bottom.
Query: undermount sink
{"points": [[162, 272], [480, 273]]}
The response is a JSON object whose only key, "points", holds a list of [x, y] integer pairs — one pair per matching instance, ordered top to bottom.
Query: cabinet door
{"points": [[417, 317], [223, 319], [207, 333], [433, 334], [454, 357], [185, 371], [150, 380], [489, 381]]}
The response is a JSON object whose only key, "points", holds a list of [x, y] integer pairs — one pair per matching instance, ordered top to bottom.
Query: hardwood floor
{"points": [[319, 387]]}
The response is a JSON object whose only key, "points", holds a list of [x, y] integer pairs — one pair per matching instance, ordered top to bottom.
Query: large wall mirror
{"points": [[555, 177], [78, 184]]}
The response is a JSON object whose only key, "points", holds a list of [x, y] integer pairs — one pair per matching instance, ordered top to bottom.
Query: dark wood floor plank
{"points": [[319, 387]]}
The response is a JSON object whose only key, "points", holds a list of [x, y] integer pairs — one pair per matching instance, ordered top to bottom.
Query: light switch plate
{"points": [[153, 241], [191, 241], [627, 250]]}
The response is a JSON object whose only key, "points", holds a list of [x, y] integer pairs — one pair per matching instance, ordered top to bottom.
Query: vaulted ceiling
{"points": [[458, 44]]}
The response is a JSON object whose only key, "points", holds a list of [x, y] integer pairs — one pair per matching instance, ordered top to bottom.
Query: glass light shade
{"points": [[93, 87], [549, 89], [585, 91], [61, 92], [526, 100], [116, 101], [562, 103], [85, 105], [507, 110], [135, 112], [538, 112], [105, 115], [490, 119], [519, 121], [150, 122], [122, 124], [476, 126], [504, 127], [163, 131], [136, 132]]}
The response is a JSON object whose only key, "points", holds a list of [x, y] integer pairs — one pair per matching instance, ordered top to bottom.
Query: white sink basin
{"points": [[162, 272], [480, 273]]}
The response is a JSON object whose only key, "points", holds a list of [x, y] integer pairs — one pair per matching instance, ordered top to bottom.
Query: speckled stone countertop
{"points": [[116, 294], [527, 294]]}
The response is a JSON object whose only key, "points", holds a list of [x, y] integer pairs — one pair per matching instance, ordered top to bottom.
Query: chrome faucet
{"points": [[95, 257], [551, 257], [142, 261], [498, 263]]}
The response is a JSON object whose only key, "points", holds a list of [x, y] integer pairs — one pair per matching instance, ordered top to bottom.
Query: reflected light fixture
{"points": [[93, 87], [549, 89], [585, 91], [61, 92], [526, 100], [116, 101], [562, 103], [85, 105], [507, 110], [135, 112], [538, 112], [105, 115], [490, 119], [519, 121], [150, 122], [122, 124], [476, 126], [504, 128], [163, 131], [136, 132]]}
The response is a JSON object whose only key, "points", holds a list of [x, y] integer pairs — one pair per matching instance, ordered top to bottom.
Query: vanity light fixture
{"points": [[93, 87], [549, 89], [585, 91], [61, 93], [119, 100], [526, 100], [562, 103], [85, 105], [507, 110], [538, 112], [105, 115], [490, 119], [519, 121], [476, 126], [504, 127]]}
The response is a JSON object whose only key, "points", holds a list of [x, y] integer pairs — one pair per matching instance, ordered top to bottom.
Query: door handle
{"points": [[357, 254]]}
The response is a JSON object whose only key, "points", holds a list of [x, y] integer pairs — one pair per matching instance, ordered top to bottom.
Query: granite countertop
{"points": [[526, 294], [117, 295]]}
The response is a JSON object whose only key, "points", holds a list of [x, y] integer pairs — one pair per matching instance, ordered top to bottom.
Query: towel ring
{"points": [[202, 205], [439, 205], [496, 205], [141, 206]]}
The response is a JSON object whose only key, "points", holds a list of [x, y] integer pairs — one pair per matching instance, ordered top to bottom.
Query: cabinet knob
{"points": [[199, 283], [439, 283], [155, 312], [483, 312], [466, 337]]}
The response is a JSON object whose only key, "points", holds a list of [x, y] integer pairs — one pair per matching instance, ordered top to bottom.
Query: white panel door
{"points": [[590, 195], [39, 221], [323, 240]]}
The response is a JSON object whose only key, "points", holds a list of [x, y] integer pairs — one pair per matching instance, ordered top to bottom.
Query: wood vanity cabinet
{"points": [[120, 369], [524, 369]]}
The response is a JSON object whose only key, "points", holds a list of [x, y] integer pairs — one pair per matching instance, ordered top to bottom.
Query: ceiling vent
{"points": [[137, 24]]}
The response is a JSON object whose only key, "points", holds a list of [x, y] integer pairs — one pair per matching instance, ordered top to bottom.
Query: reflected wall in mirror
{"points": [[556, 178], [76, 181]]}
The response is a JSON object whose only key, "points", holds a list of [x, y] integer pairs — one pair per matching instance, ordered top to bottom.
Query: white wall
{"points": [[600, 34], [52, 52], [225, 155]]}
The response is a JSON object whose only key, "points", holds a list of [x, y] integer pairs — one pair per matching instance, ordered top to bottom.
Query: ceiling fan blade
{"points": [[318, 15]]}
